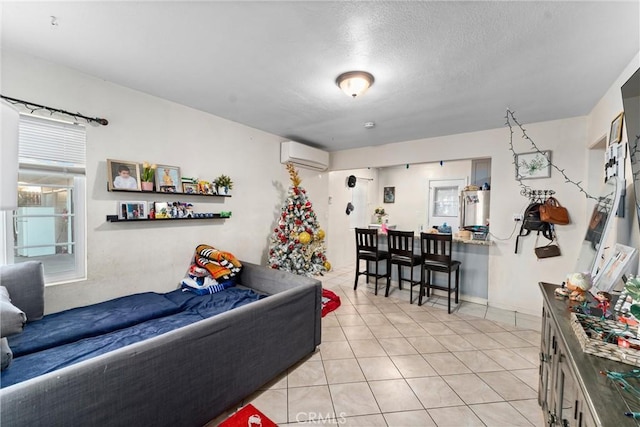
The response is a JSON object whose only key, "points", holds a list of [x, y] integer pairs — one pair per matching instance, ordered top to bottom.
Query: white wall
{"points": [[410, 210], [408, 213], [341, 238], [126, 258]]}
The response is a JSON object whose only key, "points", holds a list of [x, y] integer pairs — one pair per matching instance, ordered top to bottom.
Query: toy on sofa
{"points": [[210, 271], [575, 287]]}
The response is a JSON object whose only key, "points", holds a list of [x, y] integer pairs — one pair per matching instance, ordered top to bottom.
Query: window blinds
{"points": [[46, 142]]}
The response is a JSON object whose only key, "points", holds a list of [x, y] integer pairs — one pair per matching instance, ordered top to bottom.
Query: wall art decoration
{"points": [[532, 165], [389, 194], [611, 272]]}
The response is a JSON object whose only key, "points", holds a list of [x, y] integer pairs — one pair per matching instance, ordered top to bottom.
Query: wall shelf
{"points": [[115, 190], [212, 216], [114, 218]]}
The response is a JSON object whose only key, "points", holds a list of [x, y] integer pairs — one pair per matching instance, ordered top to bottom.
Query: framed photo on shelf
{"points": [[615, 133], [532, 165], [123, 175], [168, 179], [189, 188], [389, 195], [132, 210], [162, 210], [611, 272]]}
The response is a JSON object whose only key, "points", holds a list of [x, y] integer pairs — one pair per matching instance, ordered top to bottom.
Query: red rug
{"points": [[330, 301], [248, 416]]}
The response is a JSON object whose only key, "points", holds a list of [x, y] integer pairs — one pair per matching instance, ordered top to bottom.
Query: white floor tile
{"points": [[385, 362], [394, 395], [353, 399]]}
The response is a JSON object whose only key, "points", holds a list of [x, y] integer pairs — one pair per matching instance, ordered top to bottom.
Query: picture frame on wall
{"points": [[615, 133], [536, 164], [123, 175], [168, 179], [389, 195], [130, 210]]}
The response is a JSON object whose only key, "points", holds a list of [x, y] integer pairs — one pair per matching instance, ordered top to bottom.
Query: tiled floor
{"points": [[385, 362]]}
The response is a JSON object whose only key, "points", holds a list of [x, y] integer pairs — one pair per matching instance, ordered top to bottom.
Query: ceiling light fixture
{"points": [[355, 83]]}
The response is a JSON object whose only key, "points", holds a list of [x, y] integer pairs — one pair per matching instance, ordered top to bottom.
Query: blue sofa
{"points": [[154, 359]]}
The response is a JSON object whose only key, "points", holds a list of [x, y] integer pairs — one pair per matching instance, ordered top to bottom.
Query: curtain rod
{"points": [[34, 107]]}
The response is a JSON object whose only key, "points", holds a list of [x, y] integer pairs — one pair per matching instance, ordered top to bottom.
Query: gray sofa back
{"points": [[185, 377]]}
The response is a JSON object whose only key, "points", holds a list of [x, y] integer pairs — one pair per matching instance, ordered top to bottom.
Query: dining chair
{"points": [[400, 247], [367, 250], [436, 258]]}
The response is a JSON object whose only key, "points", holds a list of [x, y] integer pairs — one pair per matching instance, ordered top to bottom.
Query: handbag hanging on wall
{"points": [[551, 211], [550, 250]]}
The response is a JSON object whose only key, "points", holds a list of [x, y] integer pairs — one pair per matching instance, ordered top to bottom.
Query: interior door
{"points": [[444, 202]]}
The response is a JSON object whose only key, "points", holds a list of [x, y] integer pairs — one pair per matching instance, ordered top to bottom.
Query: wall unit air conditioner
{"points": [[303, 156]]}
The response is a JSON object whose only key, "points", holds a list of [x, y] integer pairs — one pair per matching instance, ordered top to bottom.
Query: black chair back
{"points": [[366, 240], [400, 243], [436, 248]]}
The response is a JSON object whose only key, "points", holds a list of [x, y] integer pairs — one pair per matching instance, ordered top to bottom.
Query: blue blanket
{"points": [[186, 307], [90, 321]]}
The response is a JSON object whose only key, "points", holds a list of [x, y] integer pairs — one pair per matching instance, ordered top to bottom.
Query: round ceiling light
{"points": [[355, 83]]}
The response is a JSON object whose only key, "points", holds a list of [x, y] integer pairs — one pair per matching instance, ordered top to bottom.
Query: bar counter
{"points": [[474, 271]]}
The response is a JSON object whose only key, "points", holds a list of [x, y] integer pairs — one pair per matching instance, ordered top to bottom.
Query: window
{"points": [[446, 202], [49, 223]]}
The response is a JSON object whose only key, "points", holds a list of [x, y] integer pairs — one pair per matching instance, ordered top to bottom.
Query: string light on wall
{"points": [[526, 190]]}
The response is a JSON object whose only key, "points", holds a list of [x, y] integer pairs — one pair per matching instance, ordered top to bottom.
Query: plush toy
{"points": [[575, 287]]}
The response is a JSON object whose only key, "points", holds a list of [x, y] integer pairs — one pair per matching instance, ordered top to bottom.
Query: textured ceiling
{"points": [[440, 67]]}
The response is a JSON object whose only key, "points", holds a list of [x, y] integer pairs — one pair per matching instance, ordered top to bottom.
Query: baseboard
{"points": [[463, 297]]}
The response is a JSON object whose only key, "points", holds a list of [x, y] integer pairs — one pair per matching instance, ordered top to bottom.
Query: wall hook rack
{"points": [[537, 196]]}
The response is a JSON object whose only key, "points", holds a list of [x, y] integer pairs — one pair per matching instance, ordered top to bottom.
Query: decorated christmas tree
{"points": [[297, 242]]}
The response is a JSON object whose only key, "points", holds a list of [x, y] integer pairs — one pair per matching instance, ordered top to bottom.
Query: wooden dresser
{"points": [[571, 391]]}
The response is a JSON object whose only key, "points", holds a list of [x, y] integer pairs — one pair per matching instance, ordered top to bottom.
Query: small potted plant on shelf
{"points": [[148, 172], [223, 184]]}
